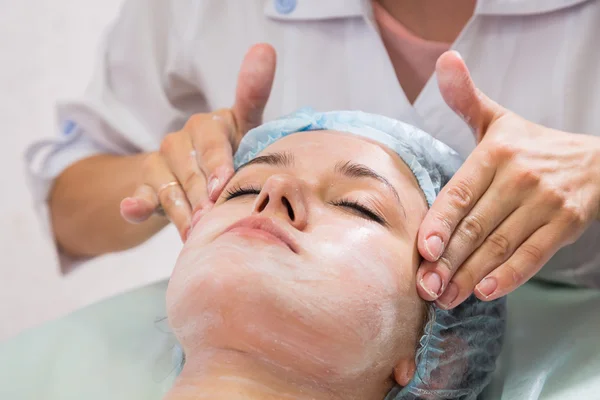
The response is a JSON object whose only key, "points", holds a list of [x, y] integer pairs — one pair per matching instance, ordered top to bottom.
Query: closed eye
{"points": [[238, 191], [360, 209]]}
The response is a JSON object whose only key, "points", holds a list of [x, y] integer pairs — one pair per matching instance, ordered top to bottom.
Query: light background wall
{"points": [[47, 51]]}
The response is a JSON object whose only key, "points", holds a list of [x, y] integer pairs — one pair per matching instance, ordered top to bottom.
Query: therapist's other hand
{"points": [[194, 164], [522, 194]]}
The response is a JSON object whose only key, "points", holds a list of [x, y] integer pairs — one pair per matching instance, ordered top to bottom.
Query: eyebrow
{"points": [[283, 160], [348, 169], [353, 170]]}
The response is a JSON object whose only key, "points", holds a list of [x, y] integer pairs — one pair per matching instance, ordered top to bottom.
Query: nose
{"points": [[282, 196]]}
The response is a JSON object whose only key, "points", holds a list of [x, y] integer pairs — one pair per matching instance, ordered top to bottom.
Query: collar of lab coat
{"points": [[332, 9]]}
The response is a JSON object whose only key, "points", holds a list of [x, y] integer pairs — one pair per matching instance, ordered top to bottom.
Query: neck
{"points": [[434, 20], [227, 374]]}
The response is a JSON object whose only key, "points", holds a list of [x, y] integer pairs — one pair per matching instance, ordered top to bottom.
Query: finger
{"points": [[255, 81], [462, 96], [214, 153], [181, 158], [171, 197], [455, 200], [140, 206], [470, 233], [495, 250], [527, 260]]}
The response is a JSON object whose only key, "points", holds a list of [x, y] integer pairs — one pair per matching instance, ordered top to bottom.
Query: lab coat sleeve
{"points": [[135, 97]]}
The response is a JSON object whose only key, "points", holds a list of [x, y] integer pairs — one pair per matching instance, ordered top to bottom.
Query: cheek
{"points": [[227, 212], [366, 257], [191, 265], [372, 274], [197, 292]]}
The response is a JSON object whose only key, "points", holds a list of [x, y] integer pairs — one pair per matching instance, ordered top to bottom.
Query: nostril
{"points": [[264, 203], [290, 210]]}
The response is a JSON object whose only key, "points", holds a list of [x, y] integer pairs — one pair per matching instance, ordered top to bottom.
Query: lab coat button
{"points": [[285, 6]]}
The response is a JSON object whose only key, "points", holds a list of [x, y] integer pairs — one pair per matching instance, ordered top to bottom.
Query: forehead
{"points": [[341, 143], [323, 149]]}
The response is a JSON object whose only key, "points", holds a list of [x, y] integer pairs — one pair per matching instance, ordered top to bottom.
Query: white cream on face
{"points": [[344, 308], [335, 323]]}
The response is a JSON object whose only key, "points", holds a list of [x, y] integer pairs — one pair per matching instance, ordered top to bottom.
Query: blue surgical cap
{"points": [[458, 349]]}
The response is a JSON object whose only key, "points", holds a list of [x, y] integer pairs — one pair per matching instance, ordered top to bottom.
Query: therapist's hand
{"points": [[193, 165], [522, 194]]}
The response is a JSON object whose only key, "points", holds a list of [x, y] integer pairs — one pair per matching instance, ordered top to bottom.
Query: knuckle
{"points": [[195, 121], [226, 121], [207, 125], [168, 143], [212, 143], [503, 150], [205, 152], [218, 158], [487, 159], [213, 160], [526, 177], [190, 179], [460, 196], [553, 196], [172, 200], [168, 202], [573, 215], [443, 220], [471, 228], [499, 245], [533, 253], [445, 263], [514, 273], [469, 278]]}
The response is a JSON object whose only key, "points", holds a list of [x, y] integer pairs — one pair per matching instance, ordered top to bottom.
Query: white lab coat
{"points": [[165, 60]]}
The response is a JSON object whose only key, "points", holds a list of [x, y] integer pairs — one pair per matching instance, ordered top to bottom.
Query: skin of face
{"points": [[337, 307]]}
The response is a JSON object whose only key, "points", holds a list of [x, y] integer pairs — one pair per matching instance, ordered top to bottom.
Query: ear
{"points": [[404, 371]]}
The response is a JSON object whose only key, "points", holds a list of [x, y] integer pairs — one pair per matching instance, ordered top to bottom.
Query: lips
{"points": [[264, 228]]}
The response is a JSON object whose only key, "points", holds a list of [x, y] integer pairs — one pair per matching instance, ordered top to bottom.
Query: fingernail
{"points": [[457, 54], [220, 176], [213, 184], [129, 202], [129, 208], [186, 234], [434, 246], [432, 284], [487, 286], [450, 294]]}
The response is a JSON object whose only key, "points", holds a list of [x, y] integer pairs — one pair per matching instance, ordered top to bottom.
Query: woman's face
{"points": [[307, 260]]}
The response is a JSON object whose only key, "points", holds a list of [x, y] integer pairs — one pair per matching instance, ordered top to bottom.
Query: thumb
{"points": [[254, 86], [462, 96]]}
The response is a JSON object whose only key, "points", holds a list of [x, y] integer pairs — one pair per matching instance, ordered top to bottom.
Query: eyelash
{"points": [[238, 191], [364, 211]]}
